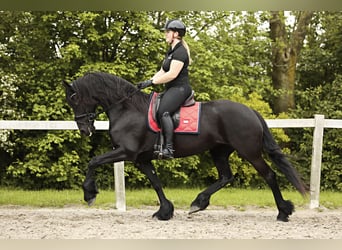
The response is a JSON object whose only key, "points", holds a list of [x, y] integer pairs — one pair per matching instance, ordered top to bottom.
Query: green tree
{"points": [[285, 51], [319, 92]]}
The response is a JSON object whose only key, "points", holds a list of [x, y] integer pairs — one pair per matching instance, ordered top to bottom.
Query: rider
{"points": [[174, 74]]}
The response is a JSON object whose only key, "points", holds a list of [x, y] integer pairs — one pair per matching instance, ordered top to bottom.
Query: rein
{"points": [[92, 116]]}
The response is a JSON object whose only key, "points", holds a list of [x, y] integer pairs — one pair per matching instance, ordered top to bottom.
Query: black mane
{"points": [[108, 89]]}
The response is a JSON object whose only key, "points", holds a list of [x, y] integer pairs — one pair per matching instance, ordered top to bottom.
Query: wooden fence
{"points": [[318, 123]]}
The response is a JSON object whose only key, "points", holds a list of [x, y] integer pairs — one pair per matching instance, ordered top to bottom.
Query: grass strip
{"points": [[182, 198]]}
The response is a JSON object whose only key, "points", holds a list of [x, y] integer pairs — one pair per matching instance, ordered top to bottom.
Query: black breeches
{"points": [[172, 99]]}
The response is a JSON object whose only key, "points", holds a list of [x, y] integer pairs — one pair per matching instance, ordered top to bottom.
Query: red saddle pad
{"points": [[189, 118]]}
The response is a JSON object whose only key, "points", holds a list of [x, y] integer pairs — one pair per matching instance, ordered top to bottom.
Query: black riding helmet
{"points": [[176, 25]]}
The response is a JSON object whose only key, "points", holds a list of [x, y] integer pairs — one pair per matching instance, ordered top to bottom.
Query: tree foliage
{"points": [[285, 51], [232, 59], [320, 92]]}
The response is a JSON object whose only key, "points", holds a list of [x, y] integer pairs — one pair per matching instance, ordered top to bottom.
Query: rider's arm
{"points": [[165, 77]]}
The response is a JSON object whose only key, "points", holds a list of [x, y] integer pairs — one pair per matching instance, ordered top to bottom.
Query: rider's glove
{"points": [[145, 84]]}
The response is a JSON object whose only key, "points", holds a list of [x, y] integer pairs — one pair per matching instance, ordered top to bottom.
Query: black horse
{"points": [[226, 126]]}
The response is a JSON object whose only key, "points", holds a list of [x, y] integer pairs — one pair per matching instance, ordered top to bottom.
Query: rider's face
{"points": [[169, 36]]}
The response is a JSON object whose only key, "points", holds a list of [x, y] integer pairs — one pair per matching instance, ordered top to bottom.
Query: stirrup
{"points": [[158, 153], [167, 153]]}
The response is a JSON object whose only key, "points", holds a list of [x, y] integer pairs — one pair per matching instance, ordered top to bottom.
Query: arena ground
{"points": [[214, 223]]}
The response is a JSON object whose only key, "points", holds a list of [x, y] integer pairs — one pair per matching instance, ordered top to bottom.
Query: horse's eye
{"points": [[73, 96]]}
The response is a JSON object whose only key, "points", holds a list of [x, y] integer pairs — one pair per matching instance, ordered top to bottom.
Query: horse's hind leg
{"points": [[220, 156], [285, 207]]}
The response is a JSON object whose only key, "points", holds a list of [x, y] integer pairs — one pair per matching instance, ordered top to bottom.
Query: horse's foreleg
{"points": [[220, 157], [89, 185], [166, 209]]}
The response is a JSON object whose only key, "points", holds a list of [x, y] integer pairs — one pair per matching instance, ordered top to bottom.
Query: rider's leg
{"points": [[172, 99], [167, 128]]}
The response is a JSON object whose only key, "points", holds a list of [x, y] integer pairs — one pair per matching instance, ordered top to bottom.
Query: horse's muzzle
{"points": [[87, 130]]}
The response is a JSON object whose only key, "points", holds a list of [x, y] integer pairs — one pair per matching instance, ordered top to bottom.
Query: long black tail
{"points": [[273, 150]]}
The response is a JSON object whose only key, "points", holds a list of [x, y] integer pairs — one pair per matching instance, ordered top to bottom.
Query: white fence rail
{"points": [[318, 123]]}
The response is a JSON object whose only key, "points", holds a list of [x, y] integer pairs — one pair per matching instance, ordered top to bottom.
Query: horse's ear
{"points": [[66, 85], [70, 91]]}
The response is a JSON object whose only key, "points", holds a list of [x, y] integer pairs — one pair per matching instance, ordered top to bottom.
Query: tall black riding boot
{"points": [[167, 129]]}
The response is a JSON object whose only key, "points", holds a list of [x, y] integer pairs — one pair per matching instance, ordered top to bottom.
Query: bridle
{"points": [[91, 117]]}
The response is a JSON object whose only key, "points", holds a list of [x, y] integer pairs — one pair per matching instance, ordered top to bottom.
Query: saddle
{"points": [[190, 101], [185, 120]]}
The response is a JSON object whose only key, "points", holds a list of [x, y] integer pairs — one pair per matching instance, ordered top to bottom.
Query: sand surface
{"points": [[213, 223]]}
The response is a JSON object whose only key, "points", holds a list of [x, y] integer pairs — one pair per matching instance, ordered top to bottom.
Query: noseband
{"points": [[91, 117]]}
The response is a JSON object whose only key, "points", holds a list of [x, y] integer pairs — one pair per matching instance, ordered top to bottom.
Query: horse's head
{"points": [[84, 112]]}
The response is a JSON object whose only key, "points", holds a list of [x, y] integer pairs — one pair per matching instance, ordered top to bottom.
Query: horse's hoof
{"points": [[91, 201], [194, 209], [156, 216], [162, 217], [282, 217]]}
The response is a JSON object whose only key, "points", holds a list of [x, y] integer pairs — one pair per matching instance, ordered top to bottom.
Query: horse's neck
{"points": [[137, 103]]}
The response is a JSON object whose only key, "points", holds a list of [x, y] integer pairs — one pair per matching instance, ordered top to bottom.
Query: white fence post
{"points": [[316, 160], [119, 180]]}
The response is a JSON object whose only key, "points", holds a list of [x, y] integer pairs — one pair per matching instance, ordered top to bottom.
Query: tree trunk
{"points": [[285, 50]]}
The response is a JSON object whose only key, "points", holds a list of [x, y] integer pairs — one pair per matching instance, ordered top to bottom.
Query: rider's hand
{"points": [[145, 84]]}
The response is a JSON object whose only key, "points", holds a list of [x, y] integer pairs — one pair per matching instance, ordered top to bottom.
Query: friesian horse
{"points": [[226, 127]]}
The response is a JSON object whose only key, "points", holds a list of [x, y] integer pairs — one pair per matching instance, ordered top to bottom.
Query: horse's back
{"points": [[229, 111], [229, 118]]}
